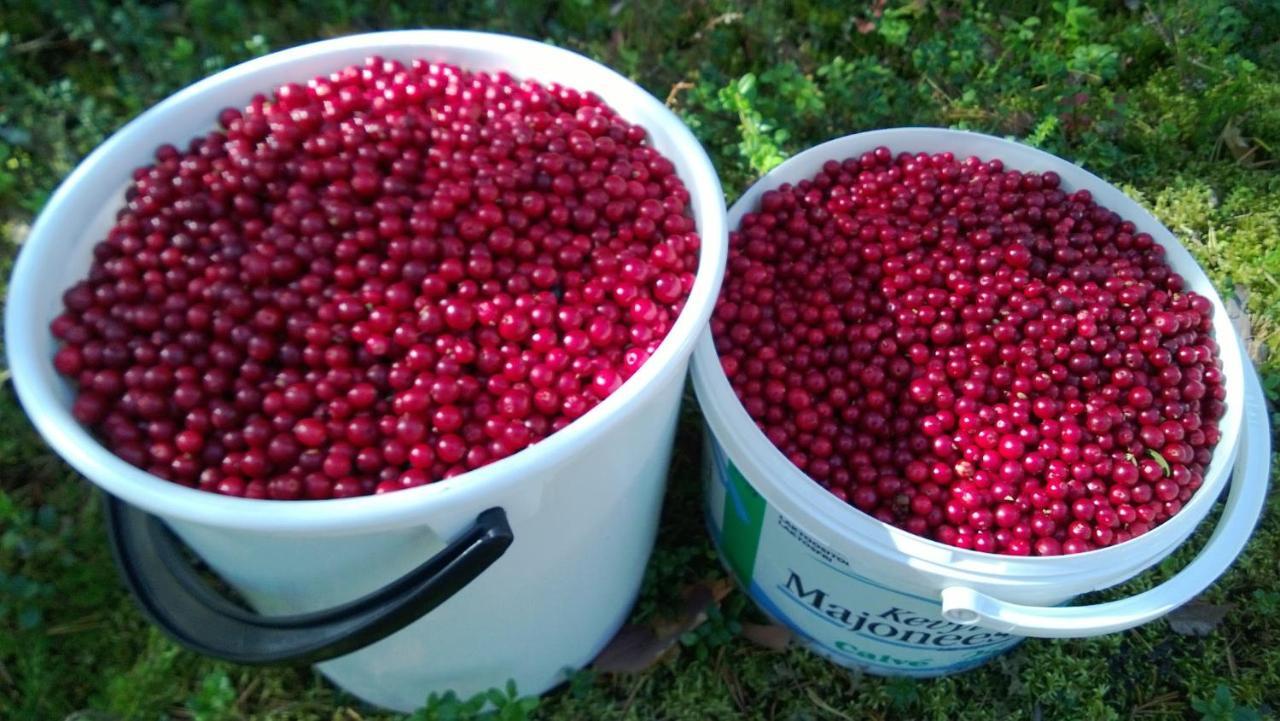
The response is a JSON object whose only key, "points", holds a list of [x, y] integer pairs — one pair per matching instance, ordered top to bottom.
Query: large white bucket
{"points": [[522, 592], [872, 596]]}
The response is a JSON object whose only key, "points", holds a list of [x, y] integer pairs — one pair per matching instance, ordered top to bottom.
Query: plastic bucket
{"points": [[523, 568], [871, 596]]}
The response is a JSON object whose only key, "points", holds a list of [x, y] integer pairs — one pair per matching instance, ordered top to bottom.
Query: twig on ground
{"points": [[717, 21], [34, 45], [676, 90], [80, 625], [731, 682], [248, 689], [631, 697], [817, 701]]}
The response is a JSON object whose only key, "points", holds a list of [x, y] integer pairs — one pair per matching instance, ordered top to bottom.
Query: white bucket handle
{"points": [[967, 606]]}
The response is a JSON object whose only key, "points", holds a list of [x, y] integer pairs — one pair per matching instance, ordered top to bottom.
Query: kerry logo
{"points": [[895, 625]]}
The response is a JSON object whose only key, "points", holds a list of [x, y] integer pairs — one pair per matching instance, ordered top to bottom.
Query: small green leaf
{"points": [[183, 48], [1164, 465], [47, 518], [29, 618], [215, 698], [1222, 707]]}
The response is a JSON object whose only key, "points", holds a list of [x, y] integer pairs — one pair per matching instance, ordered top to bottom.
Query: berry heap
{"points": [[388, 276], [971, 354]]}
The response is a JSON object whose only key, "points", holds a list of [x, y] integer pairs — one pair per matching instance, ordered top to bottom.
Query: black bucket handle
{"points": [[172, 595]]}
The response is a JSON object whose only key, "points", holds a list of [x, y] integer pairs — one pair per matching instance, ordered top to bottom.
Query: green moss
{"points": [[1177, 101]]}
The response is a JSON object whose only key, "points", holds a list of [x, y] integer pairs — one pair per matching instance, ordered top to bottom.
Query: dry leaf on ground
{"points": [[1197, 618], [774, 638], [636, 648]]}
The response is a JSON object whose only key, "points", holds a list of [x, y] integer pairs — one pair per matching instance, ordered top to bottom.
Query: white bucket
{"points": [[579, 509], [871, 596]]}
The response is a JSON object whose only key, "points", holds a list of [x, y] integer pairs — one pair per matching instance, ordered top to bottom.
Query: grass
{"points": [[1179, 102]]}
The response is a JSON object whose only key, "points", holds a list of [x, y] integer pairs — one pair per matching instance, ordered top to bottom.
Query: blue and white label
{"points": [[837, 609]]}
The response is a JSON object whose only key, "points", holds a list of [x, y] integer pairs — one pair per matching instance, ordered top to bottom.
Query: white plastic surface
{"points": [[583, 503], [1244, 505], [892, 557]]}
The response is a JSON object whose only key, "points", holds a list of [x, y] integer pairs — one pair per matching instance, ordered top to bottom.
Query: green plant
{"points": [[722, 626], [214, 699], [493, 705], [1222, 707]]}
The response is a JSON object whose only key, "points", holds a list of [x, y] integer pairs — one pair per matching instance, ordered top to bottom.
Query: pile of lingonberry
{"points": [[388, 276], [971, 353]]}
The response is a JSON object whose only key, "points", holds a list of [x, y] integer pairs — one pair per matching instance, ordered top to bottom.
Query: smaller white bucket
{"points": [[871, 596]]}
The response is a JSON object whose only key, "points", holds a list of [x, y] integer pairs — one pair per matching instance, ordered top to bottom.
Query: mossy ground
{"points": [[1179, 102]]}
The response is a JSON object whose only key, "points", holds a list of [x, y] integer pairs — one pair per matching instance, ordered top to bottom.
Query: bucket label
{"points": [[835, 607]]}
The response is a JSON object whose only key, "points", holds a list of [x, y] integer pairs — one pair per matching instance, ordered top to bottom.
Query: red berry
{"points": [[310, 432]]}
